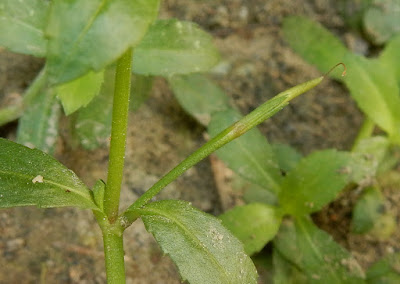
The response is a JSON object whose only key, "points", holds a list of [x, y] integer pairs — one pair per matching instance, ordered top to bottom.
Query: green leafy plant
{"points": [[83, 42], [374, 85], [280, 183]]}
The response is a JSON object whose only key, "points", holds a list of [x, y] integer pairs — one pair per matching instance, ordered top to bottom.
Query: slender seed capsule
{"points": [[263, 112]]}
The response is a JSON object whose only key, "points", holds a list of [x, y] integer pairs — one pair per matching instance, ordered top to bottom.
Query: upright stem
{"points": [[366, 130], [118, 135], [114, 256]]}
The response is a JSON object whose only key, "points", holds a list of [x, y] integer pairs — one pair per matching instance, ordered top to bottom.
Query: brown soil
{"points": [[64, 245]]}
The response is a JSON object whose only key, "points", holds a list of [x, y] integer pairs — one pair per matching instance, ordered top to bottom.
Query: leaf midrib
{"points": [[73, 50], [26, 177], [192, 237], [316, 250]]}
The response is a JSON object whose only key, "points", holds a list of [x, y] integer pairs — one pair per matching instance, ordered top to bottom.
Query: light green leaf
{"points": [[22, 24], [91, 34], [314, 43], [174, 47], [390, 57], [140, 90], [375, 90], [80, 92], [199, 96], [93, 123], [38, 126], [378, 147], [31, 177], [316, 181], [98, 193], [255, 193], [253, 224], [203, 250], [315, 254], [385, 271]]}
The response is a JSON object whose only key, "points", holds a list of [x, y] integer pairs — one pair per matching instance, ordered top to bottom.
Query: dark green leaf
{"points": [[382, 20], [22, 25], [91, 34], [314, 43], [174, 47], [140, 90], [80, 92], [376, 92], [199, 96], [93, 124], [38, 126], [287, 157], [31, 177], [317, 179], [367, 210], [253, 224], [204, 251], [315, 254], [385, 271], [285, 272]]}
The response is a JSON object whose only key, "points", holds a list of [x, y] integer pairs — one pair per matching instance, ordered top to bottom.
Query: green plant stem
{"points": [[14, 112], [237, 129], [365, 131], [118, 135], [114, 257]]}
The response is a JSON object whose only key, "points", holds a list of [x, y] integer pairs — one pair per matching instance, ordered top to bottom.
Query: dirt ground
{"points": [[64, 245]]}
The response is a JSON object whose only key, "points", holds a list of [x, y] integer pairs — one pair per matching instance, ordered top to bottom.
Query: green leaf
{"points": [[382, 20], [22, 25], [91, 34], [314, 43], [174, 47], [390, 57], [140, 90], [375, 90], [80, 92], [199, 96], [93, 123], [38, 126], [378, 148], [287, 156], [254, 159], [31, 177], [316, 181], [98, 193], [255, 193], [367, 210], [370, 216], [253, 224], [204, 251], [315, 254], [385, 271], [285, 272]]}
